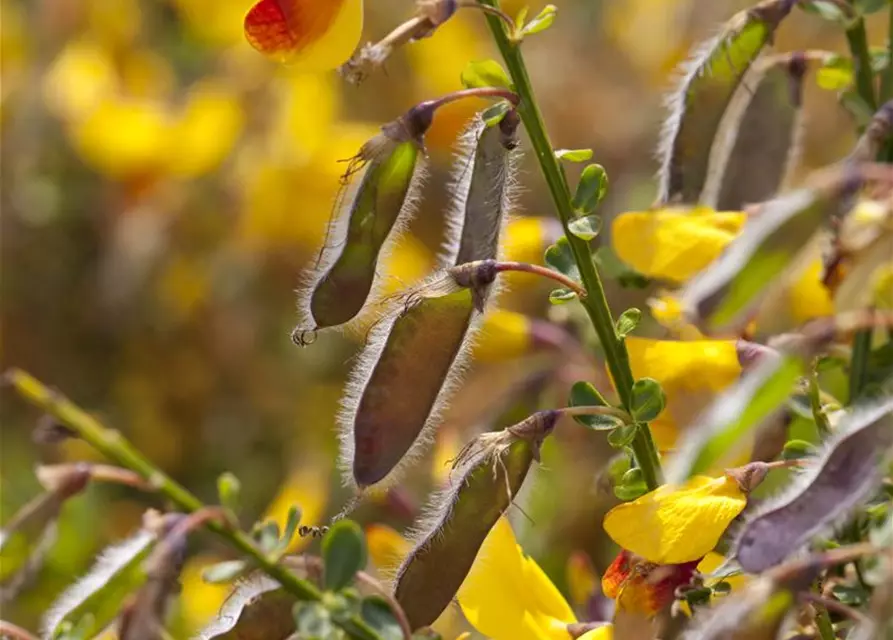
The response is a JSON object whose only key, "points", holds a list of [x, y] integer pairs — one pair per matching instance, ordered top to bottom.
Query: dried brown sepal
{"points": [[488, 476]]}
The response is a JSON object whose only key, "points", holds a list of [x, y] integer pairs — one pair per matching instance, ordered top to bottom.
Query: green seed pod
{"points": [[708, 83], [760, 137], [482, 188], [370, 216], [772, 250], [413, 358], [489, 473], [117, 573]]}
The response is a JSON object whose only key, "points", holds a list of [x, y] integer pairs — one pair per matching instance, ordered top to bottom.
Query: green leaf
{"points": [[867, 7], [826, 10], [521, 18], [541, 22], [485, 73], [836, 74], [858, 108], [494, 114], [574, 155], [591, 189], [586, 228], [560, 257], [561, 296], [628, 321], [584, 394], [648, 399], [622, 436], [797, 449], [631, 486], [229, 489], [291, 527], [267, 535], [344, 553], [223, 572], [722, 588], [378, 615], [313, 620]]}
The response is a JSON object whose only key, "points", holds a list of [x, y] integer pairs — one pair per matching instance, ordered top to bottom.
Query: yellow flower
{"points": [[309, 34], [673, 244], [504, 335], [691, 374], [304, 489], [675, 525], [386, 547], [507, 596]]}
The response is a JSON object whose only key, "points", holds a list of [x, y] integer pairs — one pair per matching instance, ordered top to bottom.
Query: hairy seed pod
{"points": [[708, 83], [876, 134], [760, 137], [481, 191], [365, 225], [773, 248], [414, 356], [724, 430], [845, 474], [488, 475], [118, 571], [259, 608]]}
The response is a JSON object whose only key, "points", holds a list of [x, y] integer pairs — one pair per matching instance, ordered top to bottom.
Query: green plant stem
{"points": [[858, 42], [595, 303], [859, 363], [115, 447]]}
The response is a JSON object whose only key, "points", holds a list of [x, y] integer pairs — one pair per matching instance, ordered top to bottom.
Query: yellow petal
{"points": [[309, 34], [205, 132], [123, 139], [673, 244], [808, 297], [667, 310], [504, 335], [691, 374], [447, 446], [676, 525], [386, 546], [713, 561], [581, 578], [506, 596], [199, 600], [605, 632]]}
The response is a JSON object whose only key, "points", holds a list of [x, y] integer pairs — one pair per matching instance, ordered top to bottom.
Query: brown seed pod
{"points": [[488, 475]]}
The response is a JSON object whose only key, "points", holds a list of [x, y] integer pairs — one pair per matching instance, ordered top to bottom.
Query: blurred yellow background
{"points": [[163, 187]]}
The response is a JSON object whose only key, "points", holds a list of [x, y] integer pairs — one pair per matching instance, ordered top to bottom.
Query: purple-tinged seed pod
{"points": [[709, 80], [760, 138], [415, 355], [488, 474], [842, 476]]}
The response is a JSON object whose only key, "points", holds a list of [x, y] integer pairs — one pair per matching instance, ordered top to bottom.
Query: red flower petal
{"points": [[282, 28]]}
